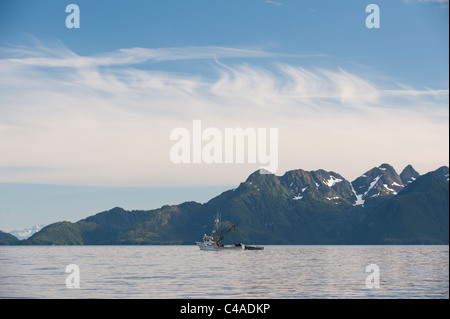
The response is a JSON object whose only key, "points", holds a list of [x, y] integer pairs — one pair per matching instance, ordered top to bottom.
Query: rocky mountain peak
{"points": [[408, 175], [378, 182]]}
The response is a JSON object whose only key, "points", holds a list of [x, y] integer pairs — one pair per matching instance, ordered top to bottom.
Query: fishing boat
{"points": [[214, 242]]}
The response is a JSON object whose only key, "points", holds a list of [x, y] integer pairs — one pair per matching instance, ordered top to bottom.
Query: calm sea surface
{"points": [[187, 272]]}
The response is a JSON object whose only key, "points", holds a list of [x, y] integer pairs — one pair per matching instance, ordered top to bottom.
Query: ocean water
{"points": [[186, 272]]}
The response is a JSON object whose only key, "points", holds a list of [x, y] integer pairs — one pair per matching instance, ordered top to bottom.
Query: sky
{"points": [[94, 107]]}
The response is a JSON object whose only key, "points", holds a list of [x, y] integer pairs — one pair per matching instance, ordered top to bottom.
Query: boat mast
{"points": [[218, 235], [216, 239]]}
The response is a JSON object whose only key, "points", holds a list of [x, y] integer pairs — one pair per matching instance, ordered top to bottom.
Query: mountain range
{"points": [[299, 207], [26, 232]]}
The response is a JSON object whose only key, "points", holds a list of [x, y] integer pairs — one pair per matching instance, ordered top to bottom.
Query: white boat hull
{"points": [[214, 247]]}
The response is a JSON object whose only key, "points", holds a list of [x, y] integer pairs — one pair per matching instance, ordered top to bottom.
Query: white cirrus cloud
{"points": [[274, 3], [103, 120]]}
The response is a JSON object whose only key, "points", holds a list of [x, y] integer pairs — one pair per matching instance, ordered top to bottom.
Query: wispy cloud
{"points": [[438, 1], [274, 3], [443, 3], [59, 55], [102, 120]]}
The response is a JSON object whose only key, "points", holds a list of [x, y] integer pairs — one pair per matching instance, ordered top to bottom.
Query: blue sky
{"points": [[412, 43], [94, 106]]}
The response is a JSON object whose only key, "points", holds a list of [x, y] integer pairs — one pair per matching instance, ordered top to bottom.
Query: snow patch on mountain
{"points": [[332, 181], [372, 185], [390, 189], [360, 197]]}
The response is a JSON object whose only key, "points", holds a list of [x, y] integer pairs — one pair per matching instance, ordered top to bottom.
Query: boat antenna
{"points": [[216, 226]]}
